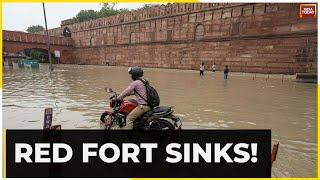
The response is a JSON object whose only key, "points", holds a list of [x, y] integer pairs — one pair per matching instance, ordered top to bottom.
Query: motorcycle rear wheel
{"points": [[160, 124]]}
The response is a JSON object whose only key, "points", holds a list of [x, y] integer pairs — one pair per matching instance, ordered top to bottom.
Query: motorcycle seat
{"points": [[161, 109], [158, 111]]}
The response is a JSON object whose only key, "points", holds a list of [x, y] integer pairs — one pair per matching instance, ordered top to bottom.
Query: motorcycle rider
{"points": [[138, 89]]}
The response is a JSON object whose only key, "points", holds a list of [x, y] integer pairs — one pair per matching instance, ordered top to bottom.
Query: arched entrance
{"points": [[66, 32], [199, 32], [39, 54]]}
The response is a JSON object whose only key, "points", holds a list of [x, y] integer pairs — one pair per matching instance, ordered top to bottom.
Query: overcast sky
{"points": [[19, 16]]}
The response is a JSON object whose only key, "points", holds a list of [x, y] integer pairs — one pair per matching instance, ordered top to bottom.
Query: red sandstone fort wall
{"points": [[22, 37], [266, 38], [16, 41]]}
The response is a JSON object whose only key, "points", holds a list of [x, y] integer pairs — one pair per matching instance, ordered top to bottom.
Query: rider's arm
{"points": [[127, 92]]}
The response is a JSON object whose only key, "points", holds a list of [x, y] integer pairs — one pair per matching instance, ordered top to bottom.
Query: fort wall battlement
{"points": [[249, 37]]}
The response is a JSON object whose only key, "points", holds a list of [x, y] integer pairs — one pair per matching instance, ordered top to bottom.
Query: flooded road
{"points": [[76, 94]]}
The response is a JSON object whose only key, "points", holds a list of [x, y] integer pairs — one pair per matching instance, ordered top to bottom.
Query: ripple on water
{"points": [[207, 110], [248, 122]]}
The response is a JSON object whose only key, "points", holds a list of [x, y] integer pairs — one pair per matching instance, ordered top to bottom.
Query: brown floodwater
{"points": [[245, 101]]}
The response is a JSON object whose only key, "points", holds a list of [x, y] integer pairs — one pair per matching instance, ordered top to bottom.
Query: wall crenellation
{"points": [[162, 11], [144, 14]]}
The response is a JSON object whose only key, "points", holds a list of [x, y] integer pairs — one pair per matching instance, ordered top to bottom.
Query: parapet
{"points": [[145, 14]]}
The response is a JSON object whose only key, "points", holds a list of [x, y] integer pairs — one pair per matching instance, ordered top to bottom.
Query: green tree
{"points": [[108, 5], [146, 6], [107, 9], [86, 15], [35, 28], [36, 54]]}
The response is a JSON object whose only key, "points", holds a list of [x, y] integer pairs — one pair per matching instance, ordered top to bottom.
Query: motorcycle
{"points": [[158, 118]]}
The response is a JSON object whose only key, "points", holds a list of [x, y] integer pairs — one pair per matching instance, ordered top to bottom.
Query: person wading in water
{"points": [[214, 67], [201, 69], [226, 72]]}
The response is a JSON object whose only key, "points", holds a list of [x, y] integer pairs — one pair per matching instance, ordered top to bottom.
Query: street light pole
{"points": [[48, 38]]}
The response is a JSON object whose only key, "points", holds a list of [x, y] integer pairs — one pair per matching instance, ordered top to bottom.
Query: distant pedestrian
{"points": [[214, 67], [201, 69], [226, 72]]}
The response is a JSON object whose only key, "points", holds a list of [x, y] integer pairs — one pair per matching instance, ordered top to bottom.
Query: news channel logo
{"points": [[308, 11]]}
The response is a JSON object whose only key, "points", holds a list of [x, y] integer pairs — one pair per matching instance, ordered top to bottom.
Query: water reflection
{"points": [[76, 93]]}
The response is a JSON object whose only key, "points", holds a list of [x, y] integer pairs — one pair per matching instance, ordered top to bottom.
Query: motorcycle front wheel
{"points": [[106, 121]]}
